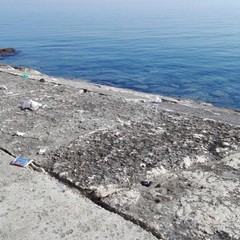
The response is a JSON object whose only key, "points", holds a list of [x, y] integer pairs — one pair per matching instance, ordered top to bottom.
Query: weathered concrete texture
{"points": [[110, 156], [171, 166], [192, 194], [198, 203], [36, 206]]}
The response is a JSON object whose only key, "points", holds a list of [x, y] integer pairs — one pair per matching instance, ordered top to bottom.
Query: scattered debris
{"points": [[25, 76], [54, 80], [3, 87], [81, 91], [157, 100], [30, 104], [20, 134], [104, 141], [42, 151], [21, 161], [186, 163], [63, 175], [62, 187]]}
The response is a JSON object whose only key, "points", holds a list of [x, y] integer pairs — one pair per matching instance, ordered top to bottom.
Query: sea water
{"points": [[182, 48]]}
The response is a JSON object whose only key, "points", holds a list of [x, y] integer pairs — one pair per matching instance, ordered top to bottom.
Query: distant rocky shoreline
{"points": [[171, 166]]}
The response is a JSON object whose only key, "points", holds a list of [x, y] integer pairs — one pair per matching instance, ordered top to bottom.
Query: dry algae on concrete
{"points": [[171, 166]]}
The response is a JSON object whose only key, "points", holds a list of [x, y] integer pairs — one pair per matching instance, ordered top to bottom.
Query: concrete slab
{"points": [[169, 165], [35, 206]]}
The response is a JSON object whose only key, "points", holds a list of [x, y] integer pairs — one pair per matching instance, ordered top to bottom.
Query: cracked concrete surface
{"points": [[168, 165], [36, 206]]}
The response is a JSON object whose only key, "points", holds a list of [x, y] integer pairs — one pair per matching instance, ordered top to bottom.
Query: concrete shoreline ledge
{"points": [[170, 166]]}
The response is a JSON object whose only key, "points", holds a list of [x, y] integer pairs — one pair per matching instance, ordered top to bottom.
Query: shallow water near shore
{"points": [[187, 49]]}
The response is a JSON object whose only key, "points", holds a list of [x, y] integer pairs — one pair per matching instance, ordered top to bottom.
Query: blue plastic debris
{"points": [[25, 76], [21, 161]]}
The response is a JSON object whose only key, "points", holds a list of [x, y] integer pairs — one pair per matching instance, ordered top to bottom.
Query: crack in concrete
{"points": [[7, 152], [96, 200]]}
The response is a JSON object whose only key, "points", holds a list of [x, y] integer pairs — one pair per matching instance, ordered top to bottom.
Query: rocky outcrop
{"points": [[7, 51]]}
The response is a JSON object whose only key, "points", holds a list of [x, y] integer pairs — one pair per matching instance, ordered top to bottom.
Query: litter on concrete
{"points": [[25, 76], [3, 87], [157, 100], [30, 104], [20, 134], [42, 151], [21, 161]]}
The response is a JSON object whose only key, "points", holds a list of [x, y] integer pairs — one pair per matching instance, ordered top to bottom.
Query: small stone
{"points": [[42, 80], [81, 91], [157, 100], [226, 144], [218, 150], [42, 151], [186, 163], [143, 165], [36, 168], [63, 174], [70, 180], [146, 183]]}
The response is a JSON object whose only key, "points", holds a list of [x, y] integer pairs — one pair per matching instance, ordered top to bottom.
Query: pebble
{"points": [[42, 151], [63, 174], [146, 183]]}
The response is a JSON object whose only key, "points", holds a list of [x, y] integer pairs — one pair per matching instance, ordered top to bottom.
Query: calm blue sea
{"points": [[183, 48]]}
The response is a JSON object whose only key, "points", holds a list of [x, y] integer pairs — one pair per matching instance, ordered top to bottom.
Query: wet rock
{"points": [[7, 51]]}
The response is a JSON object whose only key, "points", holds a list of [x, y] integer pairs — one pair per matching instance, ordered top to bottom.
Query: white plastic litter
{"points": [[3, 87], [157, 100], [30, 104], [20, 134], [42, 151]]}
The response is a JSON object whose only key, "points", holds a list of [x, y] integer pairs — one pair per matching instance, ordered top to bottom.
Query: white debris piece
{"points": [[3, 87], [157, 100], [30, 104], [20, 134], [42, 151]]}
